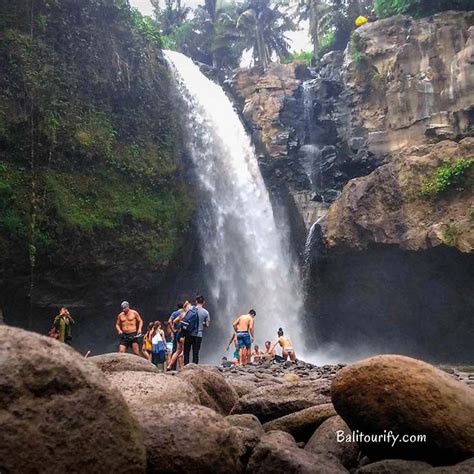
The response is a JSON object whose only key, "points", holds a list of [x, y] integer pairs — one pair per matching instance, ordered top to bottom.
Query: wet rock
{"points": [[120, 362], [139, 388], [212, 388], [408, 397], [268, 403], [58, 413], [247, 421], [303, 423], [184, 438], [325, 439], [277, 452], [395, 466]]}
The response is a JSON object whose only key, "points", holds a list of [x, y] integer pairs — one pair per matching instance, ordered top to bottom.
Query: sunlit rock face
{"points": [[412, 81]]}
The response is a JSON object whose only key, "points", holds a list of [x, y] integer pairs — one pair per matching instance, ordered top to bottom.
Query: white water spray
{"points": [[248, 264]]}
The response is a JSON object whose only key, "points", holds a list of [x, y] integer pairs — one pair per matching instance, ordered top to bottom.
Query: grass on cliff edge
{"points": [[450, 175]]}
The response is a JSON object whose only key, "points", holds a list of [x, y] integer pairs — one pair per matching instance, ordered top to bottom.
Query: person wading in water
{"points": [[243, 326], [129, 328]]}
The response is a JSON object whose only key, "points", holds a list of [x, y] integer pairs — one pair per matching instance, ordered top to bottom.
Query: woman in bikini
{"points": [[286, 346]]}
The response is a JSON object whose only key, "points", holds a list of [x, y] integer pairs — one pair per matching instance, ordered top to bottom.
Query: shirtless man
{"points": [[243, 327], [129, 328]]}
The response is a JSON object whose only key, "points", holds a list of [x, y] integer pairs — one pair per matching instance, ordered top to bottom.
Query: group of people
{"points": [[243, 338], [168, 344]]}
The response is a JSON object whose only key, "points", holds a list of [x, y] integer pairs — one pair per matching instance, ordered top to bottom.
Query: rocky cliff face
{"points": [[93, 202], [391, 257]]}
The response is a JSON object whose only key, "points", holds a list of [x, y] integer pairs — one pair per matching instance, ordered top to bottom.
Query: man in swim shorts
{"points": [[129, 328], [244, 329]]}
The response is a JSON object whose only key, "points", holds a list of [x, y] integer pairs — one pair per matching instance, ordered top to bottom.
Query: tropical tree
{"points": [[172, 16], [331, 21], [262, 26], [215, 37]]}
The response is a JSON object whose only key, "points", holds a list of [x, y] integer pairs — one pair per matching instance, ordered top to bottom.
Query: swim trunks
{"points": [[127, 339], [243, 339]]}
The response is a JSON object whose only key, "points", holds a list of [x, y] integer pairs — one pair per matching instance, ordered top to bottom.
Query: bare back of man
{"points": [[243, 323], [129, 327], [243, 327]]}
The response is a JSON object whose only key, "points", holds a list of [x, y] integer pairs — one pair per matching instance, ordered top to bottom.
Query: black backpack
{"points": [[190, 322]]}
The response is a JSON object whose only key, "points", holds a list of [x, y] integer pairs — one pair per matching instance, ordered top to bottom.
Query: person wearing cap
{"points": [[129, 328]]}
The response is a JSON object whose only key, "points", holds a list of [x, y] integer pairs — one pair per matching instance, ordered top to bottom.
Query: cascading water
{"points": [[311, 159], [247, 264]]}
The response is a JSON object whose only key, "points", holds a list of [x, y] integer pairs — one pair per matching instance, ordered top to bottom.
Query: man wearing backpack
{"points": [[197, 318]]}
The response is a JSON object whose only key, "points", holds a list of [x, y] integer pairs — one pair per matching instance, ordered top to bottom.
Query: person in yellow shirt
{"points": [[287, 349]]}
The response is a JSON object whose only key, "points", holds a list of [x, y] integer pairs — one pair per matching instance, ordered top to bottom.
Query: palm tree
{"points": [[172, 16], [331, 16], [262, 26]]}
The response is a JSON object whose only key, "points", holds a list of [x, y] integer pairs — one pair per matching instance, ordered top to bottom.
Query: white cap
{"points": [[125, 304]]}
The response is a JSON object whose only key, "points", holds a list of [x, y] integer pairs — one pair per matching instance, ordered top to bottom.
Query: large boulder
{"points": [[121, 362], [242, 386], [139, 388], [212, 388], [391, 393], [275, 401], [58, 413], [250, 422], [303, 423], [184, 438], [327, 439], [277, 452], [395, 466], [465, 467]]}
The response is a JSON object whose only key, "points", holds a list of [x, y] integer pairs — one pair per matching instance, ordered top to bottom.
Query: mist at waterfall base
{"points": [[246, 253]]}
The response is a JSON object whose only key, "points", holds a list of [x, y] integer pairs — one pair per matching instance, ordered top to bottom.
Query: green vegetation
{"points": [[418, 8], [327, 43], [357, 49], [306, 56], [89, 141], [448, 176], [94, 203], [450, 235]]}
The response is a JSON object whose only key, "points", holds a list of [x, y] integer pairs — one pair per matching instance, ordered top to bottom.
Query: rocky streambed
{"points": [[116, 413]]}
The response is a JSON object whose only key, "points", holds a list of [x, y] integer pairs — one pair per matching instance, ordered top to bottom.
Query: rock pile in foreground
{"points": [[115, 413]]}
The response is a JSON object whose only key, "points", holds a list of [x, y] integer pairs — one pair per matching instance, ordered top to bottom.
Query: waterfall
{"points": [[311, 159], [247, 262]]}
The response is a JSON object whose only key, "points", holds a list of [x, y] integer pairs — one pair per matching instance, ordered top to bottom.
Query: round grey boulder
{"points": [[121, 362], [58, 413]]}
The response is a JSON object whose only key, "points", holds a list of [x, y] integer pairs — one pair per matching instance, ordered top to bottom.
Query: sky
{"points": [[299, 40]]}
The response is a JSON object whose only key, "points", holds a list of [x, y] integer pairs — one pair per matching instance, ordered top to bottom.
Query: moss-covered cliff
{"points": [[91, 201]]}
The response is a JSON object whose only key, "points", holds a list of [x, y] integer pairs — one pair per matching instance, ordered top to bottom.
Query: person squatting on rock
{"points": [[199, 319], [62, 326], [129, 328], [244, 329]]}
